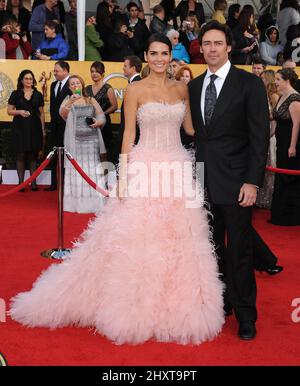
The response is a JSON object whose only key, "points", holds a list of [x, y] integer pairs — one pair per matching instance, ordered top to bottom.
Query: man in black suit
{"points": [[132, 67], [58, 92], [231, 120]]}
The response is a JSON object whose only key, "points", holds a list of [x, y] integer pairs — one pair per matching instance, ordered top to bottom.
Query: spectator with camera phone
{"points": [[16, 44], [53, 47]]}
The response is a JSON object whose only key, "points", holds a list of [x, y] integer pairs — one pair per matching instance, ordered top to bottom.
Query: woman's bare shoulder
{"points": [[180, 88]]}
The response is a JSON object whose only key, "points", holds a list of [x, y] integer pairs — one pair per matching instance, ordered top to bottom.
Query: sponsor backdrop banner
{"points": [[43, 72]]}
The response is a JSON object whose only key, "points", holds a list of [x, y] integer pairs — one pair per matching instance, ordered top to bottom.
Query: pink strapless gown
{"points": [[145, 268]]}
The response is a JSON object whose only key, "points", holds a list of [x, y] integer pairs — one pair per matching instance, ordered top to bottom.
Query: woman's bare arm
{"points": [[295, 115], [187, 123]]}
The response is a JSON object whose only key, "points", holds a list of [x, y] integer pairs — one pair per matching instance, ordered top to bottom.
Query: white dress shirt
{"points": [[133, 76], [221, 76], [63, 82]]}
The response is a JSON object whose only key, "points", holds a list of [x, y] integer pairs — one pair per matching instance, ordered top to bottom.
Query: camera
{"points": [[186, 23]]}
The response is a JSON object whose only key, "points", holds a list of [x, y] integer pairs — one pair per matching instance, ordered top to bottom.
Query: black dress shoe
{"points": [[33, 187], [50, 189], [272, 270], [228, 310], [247, 330]]}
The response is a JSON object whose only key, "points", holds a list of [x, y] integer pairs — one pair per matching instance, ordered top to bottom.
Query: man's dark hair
{"points": [[132, 4], [220, 5], [233, 8], [157, 9], [52, 25], [215, 25], [258, 60], [134, 61], [64, 65]]}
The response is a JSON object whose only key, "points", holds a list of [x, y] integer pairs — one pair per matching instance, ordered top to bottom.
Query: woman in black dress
{"points": [[105, 96], [28, 127], [285, 208]]}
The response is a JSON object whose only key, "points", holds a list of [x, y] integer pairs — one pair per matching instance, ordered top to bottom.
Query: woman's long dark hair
{"points": [[9, 6], [103, 16], [244, 19], [99, 67], [21, 77]]}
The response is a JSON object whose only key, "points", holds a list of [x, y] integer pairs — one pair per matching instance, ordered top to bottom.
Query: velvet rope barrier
{"points": [[38, 171], [283, 171], [104, 192]]}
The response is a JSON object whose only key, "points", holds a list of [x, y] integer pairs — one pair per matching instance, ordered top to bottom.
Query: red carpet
{"points": [[28, 226]]}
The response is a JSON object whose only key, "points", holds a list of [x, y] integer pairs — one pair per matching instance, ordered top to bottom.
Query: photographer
{"points": [[139, 29], [189, 31], [16, 43], [121, 43], [53, 47]]}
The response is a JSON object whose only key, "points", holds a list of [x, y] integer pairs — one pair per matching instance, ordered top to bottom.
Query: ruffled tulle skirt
{"points": [[144, 269]]}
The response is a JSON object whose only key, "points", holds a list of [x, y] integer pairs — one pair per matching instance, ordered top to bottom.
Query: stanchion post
{"points": [[60, 230], [60, 252]]}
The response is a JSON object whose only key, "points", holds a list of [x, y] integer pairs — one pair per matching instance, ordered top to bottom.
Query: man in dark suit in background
{"points": [[132, 67], [58, 92], [231, 120]]}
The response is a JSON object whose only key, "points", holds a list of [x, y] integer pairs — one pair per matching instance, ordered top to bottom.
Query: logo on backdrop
{"points": [[296, 51], [6, 88], [119, 92], [296, 313], [2, 360]]}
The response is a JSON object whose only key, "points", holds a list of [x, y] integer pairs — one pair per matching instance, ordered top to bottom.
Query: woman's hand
{"points": [[15, 36], [249, 48], [44, 57], [73, 98], [24, 113], [95, 124], [292, 151], [121, 189]]}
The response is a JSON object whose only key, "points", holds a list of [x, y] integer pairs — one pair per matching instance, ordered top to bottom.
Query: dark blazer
{"points": [[55, 103], [234, 145]]}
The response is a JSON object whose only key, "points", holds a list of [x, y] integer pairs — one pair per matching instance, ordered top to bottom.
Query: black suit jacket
{"points": [[55, 102], [122, 122], [234, 145]]}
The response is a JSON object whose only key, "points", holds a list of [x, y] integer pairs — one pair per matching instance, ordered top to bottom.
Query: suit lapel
{"points": [[228, 91]]}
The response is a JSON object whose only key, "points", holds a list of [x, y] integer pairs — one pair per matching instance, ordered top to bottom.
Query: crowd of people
{"points": [[49, 32]]}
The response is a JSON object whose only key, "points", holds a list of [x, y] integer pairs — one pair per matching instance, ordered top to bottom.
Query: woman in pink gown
{"points": [[145, 268]]}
